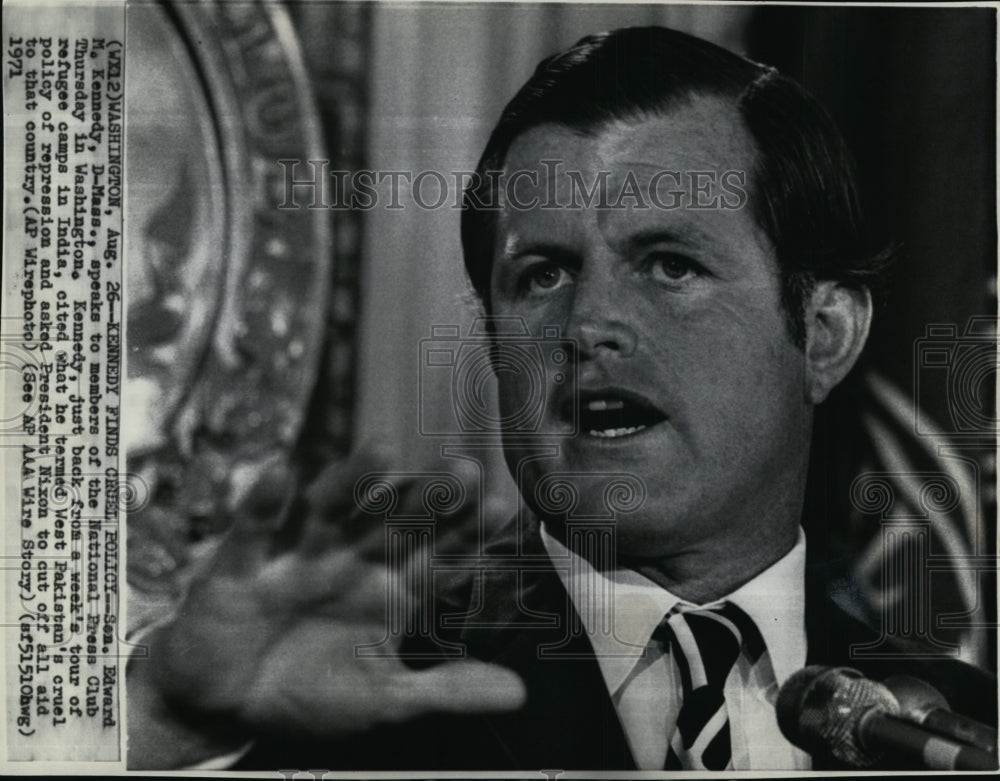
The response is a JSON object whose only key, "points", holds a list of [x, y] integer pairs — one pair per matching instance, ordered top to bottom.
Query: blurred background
{"points": [[258, 333]]}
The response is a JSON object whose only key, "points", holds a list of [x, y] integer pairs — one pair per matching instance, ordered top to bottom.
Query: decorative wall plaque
{"points": [[227, 292]]}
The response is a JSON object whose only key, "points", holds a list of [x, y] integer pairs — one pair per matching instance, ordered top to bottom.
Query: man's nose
{"points": [[597, 321]]}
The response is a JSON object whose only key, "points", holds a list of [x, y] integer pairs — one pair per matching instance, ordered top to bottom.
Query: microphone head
{"points": [[820, 708]]}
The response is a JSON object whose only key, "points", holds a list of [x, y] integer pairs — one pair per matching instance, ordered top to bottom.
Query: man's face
{"points": [[687, 375]]}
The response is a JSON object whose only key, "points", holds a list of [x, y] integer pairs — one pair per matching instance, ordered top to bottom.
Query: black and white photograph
{"points": [[499, 390]]}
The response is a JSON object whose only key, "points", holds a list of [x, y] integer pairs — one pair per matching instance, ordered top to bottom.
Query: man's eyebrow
{"points": [[702, 162], [690, 238], [544, 249]]}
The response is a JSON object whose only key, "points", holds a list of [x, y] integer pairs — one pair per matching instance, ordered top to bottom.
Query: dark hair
{"points": [[801, 189]]}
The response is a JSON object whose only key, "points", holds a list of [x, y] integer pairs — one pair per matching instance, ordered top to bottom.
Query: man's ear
{"points": [[837, 319]]}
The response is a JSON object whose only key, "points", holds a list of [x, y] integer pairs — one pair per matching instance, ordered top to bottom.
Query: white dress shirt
{"points": [[620, 611]]}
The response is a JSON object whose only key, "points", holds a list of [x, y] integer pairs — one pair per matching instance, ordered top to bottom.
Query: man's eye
{"points": [[670, 268], [542, 278]]}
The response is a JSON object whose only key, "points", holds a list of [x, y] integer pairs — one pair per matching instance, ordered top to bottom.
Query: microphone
{"points": [[922, 704], [837, 710]]}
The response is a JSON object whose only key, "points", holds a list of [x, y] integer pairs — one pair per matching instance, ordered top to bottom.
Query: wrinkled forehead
{"points": [[705, 133], [687, 171]]}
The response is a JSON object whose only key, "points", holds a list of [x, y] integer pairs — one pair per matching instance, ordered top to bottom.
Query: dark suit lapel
{"points": [[525, 622]]}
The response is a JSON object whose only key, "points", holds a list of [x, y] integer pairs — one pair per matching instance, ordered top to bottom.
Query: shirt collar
{"points": [[774, 599]]}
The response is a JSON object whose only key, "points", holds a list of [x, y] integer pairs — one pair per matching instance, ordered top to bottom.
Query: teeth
{"points": [[600, 405], [616, 432]]}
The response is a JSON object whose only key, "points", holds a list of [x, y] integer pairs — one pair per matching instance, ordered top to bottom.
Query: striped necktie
{"points": [[705, 642]]}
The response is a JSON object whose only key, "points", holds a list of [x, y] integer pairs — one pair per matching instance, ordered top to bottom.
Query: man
{"points": [[717, 294]]}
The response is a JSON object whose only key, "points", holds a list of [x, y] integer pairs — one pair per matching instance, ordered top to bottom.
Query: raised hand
{"points": [[266, 638]]}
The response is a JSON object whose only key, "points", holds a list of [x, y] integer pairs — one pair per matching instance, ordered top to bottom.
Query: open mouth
{"points": [[615, 413]]}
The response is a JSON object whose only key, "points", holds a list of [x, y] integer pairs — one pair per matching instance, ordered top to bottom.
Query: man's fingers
{"points": [[333, 488], [263, 495], [352, 499], [352, 526], [315, 680], [462, 687]]}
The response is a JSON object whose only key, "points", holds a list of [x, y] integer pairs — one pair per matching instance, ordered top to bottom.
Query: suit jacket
{"points": [[523, 619]]}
